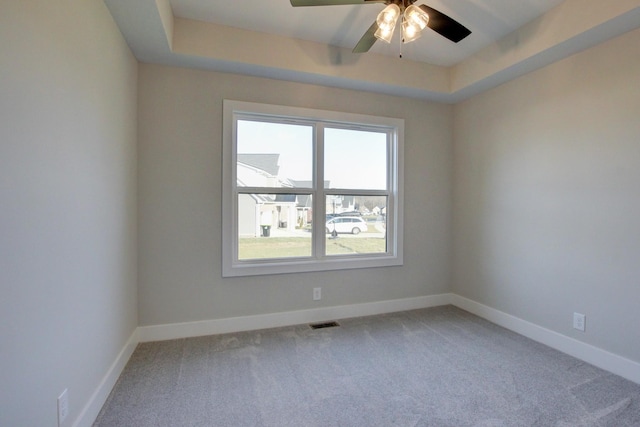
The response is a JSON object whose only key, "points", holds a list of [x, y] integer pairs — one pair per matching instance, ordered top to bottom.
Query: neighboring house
{"points": [[305, 204], [334, 204], [340, 204], [258, 210], [281, 211]]}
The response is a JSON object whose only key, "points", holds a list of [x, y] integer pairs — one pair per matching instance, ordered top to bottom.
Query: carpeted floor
{"points": [[433, 367]]}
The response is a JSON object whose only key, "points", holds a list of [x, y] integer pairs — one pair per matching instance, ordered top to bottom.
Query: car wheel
{"points": [[355, 230], [328, 231]]}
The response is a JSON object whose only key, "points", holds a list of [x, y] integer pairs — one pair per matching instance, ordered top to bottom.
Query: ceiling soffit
{"points": [[156, 36]]}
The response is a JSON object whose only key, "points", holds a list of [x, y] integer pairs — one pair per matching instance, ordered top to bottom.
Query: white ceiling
{"points": [[488, 20], [272, 39]]}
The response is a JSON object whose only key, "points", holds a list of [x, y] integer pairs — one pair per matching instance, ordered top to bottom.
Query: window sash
{"points": [[320, 120]]}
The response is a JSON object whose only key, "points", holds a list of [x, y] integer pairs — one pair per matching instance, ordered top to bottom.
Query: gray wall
{"points": [[180, 188], [547, 196], [67, 204], [545, 204]]}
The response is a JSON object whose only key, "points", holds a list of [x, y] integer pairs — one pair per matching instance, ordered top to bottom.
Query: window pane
{"points": [[274, 155], [277, 158], [355, 159], [356, 224], [274, 226]]}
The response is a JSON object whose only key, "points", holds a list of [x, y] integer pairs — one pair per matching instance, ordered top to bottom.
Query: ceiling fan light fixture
{"points": [[416, 17], [386, 21], [383, 27], [410, 32], [384, 35]]}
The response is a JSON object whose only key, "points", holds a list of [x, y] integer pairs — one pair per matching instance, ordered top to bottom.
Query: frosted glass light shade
{"points": [[416, 17], [387, 22], [410, 32]]}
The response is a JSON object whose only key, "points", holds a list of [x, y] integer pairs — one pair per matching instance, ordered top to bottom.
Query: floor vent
{"points": [[324, 325]]}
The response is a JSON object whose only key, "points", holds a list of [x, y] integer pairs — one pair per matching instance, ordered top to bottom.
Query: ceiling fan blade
{"points": [[296, 3], [444, 25], [367, 40]]}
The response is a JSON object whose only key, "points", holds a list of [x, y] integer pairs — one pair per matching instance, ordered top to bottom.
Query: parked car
{"points": [[346, 224]]}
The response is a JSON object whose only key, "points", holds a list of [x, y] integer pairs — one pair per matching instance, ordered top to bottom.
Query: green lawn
{"points": [[361, 245], [273, 247], [288, 247]]}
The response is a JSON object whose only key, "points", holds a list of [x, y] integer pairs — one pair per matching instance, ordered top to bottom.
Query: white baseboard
{"points": [[274, 320], [596, 356], [603, 359], [91, 410]]}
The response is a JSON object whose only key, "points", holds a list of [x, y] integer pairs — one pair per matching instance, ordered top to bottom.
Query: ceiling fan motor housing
{"points": [[403, 4]]}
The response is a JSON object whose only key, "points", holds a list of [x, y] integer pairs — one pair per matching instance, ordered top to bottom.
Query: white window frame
{"points": [[232, 266]]}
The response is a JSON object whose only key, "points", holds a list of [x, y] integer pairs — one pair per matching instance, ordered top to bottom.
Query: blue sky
{"points": [[353, 158]]}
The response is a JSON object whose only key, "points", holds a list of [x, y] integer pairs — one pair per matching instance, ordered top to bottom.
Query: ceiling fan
{"points": [[414, 20]]}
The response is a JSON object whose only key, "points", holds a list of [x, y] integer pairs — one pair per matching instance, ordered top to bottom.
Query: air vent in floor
{"points": [[324, 325]]}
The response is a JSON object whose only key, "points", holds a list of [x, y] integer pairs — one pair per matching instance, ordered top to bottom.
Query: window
{"points": [[309, 190]]}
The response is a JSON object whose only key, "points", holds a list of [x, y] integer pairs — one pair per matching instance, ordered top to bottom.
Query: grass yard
{"points": [[360, 245], [273, 247], [290, 247]]}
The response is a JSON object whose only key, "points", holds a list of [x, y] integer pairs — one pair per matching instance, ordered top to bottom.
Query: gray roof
{"points": [[262, 161]]}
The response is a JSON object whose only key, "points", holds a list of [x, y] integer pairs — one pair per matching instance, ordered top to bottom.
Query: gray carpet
{"points": [[433, 367]]}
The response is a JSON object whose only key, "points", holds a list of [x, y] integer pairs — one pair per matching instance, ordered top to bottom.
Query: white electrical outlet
{"points": [[317, 294], [579, 321], [63, 406]]}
